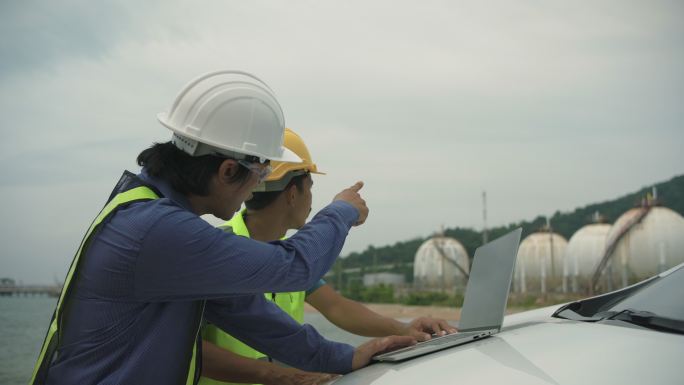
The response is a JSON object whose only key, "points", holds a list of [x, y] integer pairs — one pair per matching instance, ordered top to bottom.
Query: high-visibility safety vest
{"points": [[128, 190], [292, 303]]}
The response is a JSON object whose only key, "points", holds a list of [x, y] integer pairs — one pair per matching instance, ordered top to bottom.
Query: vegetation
{"points": [[377, 294], [386, 294], [426, 298]]}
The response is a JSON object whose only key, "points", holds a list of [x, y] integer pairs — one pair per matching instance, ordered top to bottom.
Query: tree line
{"points": [[400, 255]]}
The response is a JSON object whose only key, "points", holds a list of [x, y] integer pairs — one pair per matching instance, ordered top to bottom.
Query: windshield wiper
{"points": [[645, 319]]}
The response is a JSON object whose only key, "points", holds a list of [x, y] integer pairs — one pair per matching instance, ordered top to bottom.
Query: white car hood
{"points": [[533, 348]]}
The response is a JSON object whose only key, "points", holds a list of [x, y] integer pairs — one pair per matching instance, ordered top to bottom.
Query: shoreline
{"points": [[393, 310], [400, 311]]}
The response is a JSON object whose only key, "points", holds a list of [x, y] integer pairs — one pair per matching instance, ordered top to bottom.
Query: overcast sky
{"points": [[546, 105]]}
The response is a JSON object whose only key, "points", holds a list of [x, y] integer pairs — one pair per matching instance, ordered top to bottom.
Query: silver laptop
{"points": [[485, 299]]}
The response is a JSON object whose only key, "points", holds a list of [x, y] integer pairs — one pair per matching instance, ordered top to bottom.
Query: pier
{"points": [[30, 290]]}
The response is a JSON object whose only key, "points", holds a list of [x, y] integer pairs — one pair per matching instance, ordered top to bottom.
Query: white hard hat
{"points": [[228, 112]]}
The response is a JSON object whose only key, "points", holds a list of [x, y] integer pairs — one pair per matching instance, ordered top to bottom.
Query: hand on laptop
{"points": [[424, 327], [364, 353]]}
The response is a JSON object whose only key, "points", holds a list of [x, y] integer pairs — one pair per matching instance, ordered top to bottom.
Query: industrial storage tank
{"points": [[643, 242], [584, 252], [441, 263], [539, 268]]}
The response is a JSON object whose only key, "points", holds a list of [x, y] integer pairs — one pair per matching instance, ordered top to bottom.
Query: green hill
{"points": [[399, 256]]}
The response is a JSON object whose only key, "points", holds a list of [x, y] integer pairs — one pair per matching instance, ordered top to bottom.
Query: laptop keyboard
{"points": [[444, 339], [435, 341]]}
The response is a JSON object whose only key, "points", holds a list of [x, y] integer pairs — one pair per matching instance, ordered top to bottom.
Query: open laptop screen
{"points": [[490, 280]]}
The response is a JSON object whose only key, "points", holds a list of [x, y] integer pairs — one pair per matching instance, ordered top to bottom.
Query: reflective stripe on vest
{"points": [[136, 192], [292, 303]]}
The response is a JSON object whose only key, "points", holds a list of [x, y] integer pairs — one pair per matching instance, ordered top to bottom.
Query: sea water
{"points": [[23, 323]]}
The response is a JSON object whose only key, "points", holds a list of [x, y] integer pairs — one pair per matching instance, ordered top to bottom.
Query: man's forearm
{"points": [[207, 263], [353, 316], [358, 319], [265, 327], [223, 365]]}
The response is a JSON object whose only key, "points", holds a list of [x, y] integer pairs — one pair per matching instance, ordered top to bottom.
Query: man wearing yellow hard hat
{"points": [[281, 203]]}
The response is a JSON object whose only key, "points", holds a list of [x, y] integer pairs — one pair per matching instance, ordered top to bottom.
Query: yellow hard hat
{"points": [[282, 172]]}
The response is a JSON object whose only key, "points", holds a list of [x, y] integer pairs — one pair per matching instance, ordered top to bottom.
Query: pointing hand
{"points": [[351, 195]]}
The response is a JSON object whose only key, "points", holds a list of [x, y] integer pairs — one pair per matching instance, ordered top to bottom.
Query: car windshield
{"points": [[663, 297], [654, 303]]}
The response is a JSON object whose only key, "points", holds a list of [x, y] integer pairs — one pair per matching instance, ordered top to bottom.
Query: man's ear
{"points": [[227, 170], [291, 194]]}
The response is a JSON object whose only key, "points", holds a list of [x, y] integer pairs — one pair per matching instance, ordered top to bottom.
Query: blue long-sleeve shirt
{"points": [[155, 267]]}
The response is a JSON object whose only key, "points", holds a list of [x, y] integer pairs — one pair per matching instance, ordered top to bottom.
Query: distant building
{"points": [[441, 263], [391, 279]]}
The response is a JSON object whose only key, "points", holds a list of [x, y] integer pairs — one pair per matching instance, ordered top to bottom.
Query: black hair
{"points": [[186, 174], [262, 199]]}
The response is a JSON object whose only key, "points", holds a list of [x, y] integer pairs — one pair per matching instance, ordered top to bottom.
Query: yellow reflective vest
{"points": [[292, 303]]}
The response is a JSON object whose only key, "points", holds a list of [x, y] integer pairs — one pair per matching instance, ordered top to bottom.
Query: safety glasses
{"points": [[262, 172]]}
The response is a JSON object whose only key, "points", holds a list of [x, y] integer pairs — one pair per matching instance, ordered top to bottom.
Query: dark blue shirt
{"points": [[156, 268], [315, 287]]}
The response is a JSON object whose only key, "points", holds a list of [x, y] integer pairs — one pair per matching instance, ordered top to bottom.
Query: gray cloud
{"points": [[36, 34], [546, 105], [68, 163]]}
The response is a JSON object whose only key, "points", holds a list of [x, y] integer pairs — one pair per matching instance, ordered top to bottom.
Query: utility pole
{"points": [[485, 235], [552, 273], [338, 274]]}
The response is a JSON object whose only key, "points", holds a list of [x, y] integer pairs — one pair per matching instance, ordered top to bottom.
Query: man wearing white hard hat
{"points": [[149, 270]]}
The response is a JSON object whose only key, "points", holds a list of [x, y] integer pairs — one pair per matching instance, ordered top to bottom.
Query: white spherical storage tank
{"points": [[643, 242], [583, 254], [440, 263], [540, 263]]}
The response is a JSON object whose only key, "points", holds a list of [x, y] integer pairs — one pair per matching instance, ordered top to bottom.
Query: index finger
{"points": [[357, 186], [445, 326]]}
